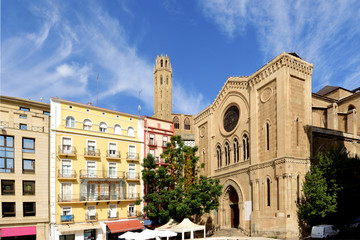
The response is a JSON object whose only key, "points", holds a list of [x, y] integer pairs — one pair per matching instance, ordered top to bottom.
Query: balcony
{"points": [[152, 143], [164, 144], [66, 150], [92, 153], [113, 155], [134, 157], [160, 161], [66, 174], [101, 174], [132, 176], [113, 196], [134, 214], [113, 216], [91, 217], [67, 218]]}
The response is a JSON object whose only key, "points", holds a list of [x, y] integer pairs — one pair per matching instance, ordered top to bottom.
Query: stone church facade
{"points": [[259, 137]]}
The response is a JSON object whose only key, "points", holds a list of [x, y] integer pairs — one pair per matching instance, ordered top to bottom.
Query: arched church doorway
{"points": [[234, 207]]}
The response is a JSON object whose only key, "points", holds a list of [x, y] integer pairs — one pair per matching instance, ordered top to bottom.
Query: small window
{"points": [[161, 63], [161, 80], [70, 106], [25, 109], [87, 110], [46, 113], [103, 113], [23, 116], [117, 116], [131, 119], [70, 122], [176, 122], [87, 124], [187, 124], [23, 126], [102, 127], [117, 129], [130, 131], [267, 136], [164, 141], [28, 145], [6, 154], [28, 166], [7, 187], [28, 187], [268, 192], [8, 209], [29, 209]]}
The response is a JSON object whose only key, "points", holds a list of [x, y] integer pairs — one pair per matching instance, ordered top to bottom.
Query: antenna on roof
{"points": [[97, 90]]}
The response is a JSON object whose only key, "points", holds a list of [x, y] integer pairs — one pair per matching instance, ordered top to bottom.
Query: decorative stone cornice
{"points": [[202, 115]]}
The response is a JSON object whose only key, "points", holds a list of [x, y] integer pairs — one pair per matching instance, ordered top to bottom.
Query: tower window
{"points": [[161, 63], [165, 63], [161, 80], [167, 80], [176, 122], [187, 124], [297, 132], [267, 136], [246, 147], [236, 150], [218, 151], [268, 192]]}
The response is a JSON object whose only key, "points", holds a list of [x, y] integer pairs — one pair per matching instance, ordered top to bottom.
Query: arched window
{"points": [[161, 63], [165, 63], [161, 80], [167, 80], [351, 107], [70, 122], [176, 122], [187, 123], [87, 124], [102, 127], [117, 129], [130, 131], [297, 131], [267, 136], [246, 147], [236, 150], [218, 151], [227, 154], [298, 189], [268, 191]]}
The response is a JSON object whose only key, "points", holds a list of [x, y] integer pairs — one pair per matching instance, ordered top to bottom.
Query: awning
{"points": [[124, 226], [78, 227], [18, 231]]}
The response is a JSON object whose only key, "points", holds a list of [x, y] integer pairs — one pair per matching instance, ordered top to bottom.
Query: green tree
{"points": [[321, 188], [175, 190]]}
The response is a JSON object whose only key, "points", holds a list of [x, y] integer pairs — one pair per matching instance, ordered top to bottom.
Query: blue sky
{"points": [[57, 48]]}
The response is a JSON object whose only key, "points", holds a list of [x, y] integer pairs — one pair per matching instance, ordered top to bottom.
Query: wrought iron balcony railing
{"points": [[152, 142], [66, 150], [91, 152], [113, 154], [132, 156], [64, 173], [109, 173], [133, 175], [113, 196], [134, 213], [91, 217], [67, 218]]}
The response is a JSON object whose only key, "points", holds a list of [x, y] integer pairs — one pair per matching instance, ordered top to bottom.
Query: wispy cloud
{"points": [[323, 32], [66, 50]]}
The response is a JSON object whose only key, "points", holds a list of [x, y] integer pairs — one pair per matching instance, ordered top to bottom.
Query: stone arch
{"points": [[227, 204]]}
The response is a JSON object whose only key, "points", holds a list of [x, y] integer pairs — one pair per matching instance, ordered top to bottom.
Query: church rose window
{"points": [[231, 118]]}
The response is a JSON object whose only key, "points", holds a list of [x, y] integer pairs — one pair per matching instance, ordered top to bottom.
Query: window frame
{"points": [[24, 109], [70, 122], [87, 124], [23, 126], [103, 127], [131, 134], [7, 149], [26, 149], [26, 171], [12, 191], [28, 192], [3, 207], [29, 214]]}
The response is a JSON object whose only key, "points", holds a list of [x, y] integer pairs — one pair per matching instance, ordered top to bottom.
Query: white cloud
{"points": [[323, 32]]}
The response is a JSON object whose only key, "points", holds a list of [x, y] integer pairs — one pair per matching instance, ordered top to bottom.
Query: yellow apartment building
{"points": [[95, 163], [24, 169]]}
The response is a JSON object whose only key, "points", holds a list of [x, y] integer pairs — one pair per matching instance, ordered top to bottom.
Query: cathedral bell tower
{"points": [[162, 88]]}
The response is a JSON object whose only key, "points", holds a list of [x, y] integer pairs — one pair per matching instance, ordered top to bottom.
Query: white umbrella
{"points": [[165, 233], [147, 234], [128, 235]]}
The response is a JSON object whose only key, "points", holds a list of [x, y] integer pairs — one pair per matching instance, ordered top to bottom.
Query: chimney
{"points": [[89, 103]]}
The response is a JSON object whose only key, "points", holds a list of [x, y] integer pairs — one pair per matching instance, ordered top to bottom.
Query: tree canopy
{"points": [[175, 189], [331, 189]]}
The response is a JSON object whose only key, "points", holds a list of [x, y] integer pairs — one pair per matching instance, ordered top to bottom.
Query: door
{"points": [[66, 145], [91, 148], [112, 150], [132, 152], [66, 168], [91, 169], [112, 170], [132, 171], [66, 191], [132, 191], [92, 192], [112, 211], [234, 215]]}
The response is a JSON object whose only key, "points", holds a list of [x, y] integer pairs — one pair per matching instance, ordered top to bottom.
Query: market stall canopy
{"points": [[124, 226]]}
